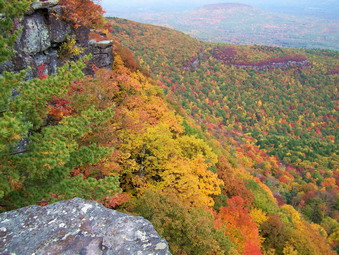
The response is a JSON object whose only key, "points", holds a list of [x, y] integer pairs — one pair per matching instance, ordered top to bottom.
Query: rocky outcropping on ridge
{"points": [[43, 32], [77, 226]]}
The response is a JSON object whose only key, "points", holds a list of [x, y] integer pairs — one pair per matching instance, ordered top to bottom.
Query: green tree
{"points": [[37, 154], [188, 230]]}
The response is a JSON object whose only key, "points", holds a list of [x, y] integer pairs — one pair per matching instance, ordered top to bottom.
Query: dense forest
{"points": [[276, 106], [225, 149]]}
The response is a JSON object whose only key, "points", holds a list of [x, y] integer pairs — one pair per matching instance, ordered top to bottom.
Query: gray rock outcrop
{"points": [[44, 4], [43, 32], [102, 55], [281, 65], [77, 226]]}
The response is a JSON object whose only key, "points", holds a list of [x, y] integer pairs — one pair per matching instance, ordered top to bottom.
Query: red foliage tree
{"points": [[58, 108], [233, 185], [239, 226]]}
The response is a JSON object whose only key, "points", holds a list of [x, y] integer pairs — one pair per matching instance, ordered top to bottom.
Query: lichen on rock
{"points": [[77, 226]]}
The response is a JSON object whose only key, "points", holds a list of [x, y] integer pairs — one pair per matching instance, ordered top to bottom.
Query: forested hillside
{"points": [[277, 106], [225, 149]]}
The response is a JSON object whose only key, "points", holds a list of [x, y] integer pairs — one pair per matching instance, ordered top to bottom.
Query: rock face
{"points": [[43, 32], [36, 36], [102, 56], [281, 65], [77, 227]]}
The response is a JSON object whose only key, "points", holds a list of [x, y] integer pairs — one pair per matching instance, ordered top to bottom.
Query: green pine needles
{"points": [[10, 11], [53, 149]]}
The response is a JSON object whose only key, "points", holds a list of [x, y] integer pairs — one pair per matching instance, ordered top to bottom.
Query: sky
{"points": [[327, 8]]}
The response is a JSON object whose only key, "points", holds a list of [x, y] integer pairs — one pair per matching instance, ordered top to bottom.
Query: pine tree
{"points": [[10, 10], [39, 152]]}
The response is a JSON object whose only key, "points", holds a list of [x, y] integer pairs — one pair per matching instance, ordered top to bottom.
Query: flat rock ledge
{"points": [[77, 226]]}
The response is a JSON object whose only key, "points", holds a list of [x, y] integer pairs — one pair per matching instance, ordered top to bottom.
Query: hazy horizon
{"points": [[324, 9]]}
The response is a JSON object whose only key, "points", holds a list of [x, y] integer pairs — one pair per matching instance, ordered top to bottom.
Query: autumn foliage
{"points": [[83, 12], [271, 109], [210, 153], [239, 226]]}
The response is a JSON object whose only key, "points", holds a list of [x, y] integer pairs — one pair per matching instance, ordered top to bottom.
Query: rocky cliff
{"points": [[43, 33], [77, 227]]}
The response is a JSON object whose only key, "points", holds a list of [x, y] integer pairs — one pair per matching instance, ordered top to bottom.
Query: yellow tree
{"points": [[191, 181]]}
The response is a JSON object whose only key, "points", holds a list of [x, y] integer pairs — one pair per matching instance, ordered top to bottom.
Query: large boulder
{"points": [[77, 226]]}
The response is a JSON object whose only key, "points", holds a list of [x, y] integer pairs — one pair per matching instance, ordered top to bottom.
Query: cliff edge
{"points": [[44, 33], [77, 226]]}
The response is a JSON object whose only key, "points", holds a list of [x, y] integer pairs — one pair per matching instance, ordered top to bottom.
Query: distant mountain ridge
{"points": [[225, 6], [243, 24]]}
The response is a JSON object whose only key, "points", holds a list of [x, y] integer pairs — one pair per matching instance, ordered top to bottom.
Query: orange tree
{"points": [[83, 12]]}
